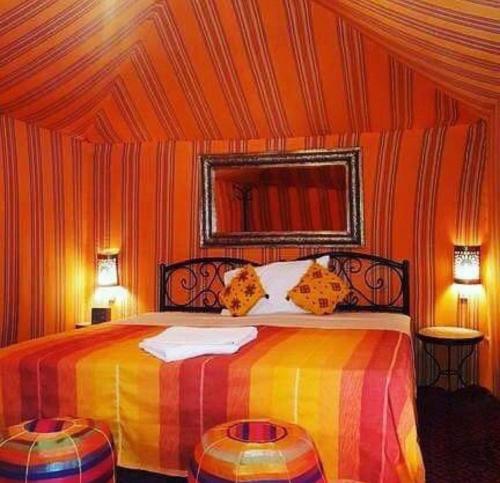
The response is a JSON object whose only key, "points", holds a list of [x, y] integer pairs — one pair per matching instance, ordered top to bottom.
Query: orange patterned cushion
{"points": [[319, 290], [244, 291]]}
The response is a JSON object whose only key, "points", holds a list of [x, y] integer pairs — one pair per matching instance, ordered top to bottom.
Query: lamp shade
{"points": [[467, 264], [107, 268]]}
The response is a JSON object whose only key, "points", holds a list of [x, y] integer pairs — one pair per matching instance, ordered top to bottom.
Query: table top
{"points": [[450, 335]]}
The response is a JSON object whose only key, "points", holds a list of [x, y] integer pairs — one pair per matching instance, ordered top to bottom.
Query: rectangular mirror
{"points": [[307, 198]]}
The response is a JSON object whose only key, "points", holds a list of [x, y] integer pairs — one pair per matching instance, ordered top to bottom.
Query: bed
{"points": [[348, 378]]}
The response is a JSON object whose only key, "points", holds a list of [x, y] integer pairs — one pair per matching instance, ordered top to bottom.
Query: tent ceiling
{"points": [[456, 43], [138, 70]]}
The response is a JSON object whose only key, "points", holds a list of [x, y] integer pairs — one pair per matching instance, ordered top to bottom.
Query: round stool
{"points": [[65, 450], [256, 450]]}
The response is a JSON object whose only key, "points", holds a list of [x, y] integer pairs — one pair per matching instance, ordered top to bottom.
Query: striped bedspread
{"points": [[352, 390]]}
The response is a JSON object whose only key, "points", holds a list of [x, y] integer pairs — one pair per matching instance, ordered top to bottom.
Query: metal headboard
{"points": [[377, 284]]}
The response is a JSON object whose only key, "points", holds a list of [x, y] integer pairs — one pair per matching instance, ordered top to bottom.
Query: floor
{"points": [[459, 435]]}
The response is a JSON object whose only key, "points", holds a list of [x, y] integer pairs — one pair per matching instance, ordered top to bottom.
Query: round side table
{"points": [[450, 337]]}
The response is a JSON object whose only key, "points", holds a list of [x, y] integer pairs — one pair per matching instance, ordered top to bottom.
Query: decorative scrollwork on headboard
{"points": [[377, 284], [194, 285]]}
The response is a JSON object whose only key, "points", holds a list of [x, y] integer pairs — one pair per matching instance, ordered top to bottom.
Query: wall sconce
{"points": [[467, 267], [107, 268], [107, 281]]}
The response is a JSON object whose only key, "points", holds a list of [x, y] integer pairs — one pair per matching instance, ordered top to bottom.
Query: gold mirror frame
{"points": [[349, 157]]}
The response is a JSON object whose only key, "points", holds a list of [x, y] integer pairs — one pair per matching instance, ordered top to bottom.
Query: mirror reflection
{"points": [[281, 198]]}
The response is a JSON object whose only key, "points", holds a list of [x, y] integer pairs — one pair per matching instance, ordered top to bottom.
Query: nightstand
{"points": [[100, 314], [450, 337]]}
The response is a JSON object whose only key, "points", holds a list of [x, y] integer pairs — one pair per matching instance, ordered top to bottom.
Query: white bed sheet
{"points": [[339, 320]]}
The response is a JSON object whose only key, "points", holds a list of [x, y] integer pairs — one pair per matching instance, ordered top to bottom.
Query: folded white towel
{"points": [[203, 336], [177, 343], [177, 352]]}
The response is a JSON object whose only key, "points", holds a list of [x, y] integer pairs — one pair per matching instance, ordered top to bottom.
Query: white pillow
{"points": [[277, 279]]}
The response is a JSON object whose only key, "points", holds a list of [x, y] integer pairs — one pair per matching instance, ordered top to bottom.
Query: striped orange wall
{"points": [[422, 194], [61, 200], [44, 241], [492, 245]]}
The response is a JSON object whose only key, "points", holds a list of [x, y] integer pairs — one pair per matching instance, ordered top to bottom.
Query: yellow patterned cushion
{"points": [[319, 290], [244, 291]]}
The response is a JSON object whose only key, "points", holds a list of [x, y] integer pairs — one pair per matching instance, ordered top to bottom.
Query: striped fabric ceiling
{"points": [[456, 43], [110, 71]]}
